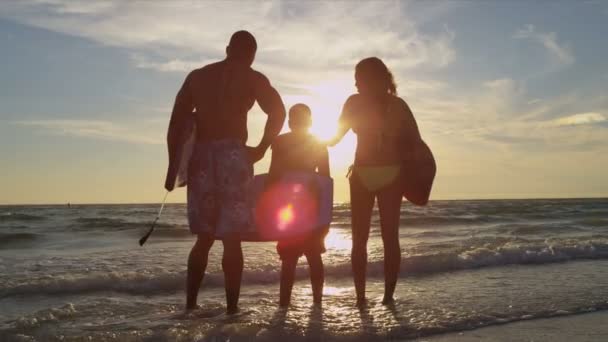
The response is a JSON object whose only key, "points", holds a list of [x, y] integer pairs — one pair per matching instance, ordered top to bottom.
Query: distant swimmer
{"points": [[221, 166]]}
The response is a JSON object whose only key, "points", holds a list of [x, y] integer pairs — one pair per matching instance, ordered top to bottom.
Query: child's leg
{"points": [[288, 270], [317, 276]]}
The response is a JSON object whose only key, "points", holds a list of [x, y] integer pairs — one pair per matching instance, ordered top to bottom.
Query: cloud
{"points": [[75, 7], [305, 35], [560, 52], [173, 65], [580, 119], [94, 129]]}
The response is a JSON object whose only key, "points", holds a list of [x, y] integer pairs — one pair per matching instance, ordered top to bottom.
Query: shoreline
{"points": [[591, 326]]}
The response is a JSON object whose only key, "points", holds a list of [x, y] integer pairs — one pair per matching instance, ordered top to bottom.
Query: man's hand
{"points": [[255, 154], [168, 185]]}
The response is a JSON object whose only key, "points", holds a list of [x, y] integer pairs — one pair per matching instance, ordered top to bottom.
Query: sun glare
{"points": [[325, 100], [337, 240]]}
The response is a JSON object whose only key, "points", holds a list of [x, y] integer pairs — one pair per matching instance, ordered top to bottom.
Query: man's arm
{"points": [[271, 103], [183, 106]]}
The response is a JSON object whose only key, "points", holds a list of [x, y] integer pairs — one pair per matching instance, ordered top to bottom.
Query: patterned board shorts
{"points": [[219, 189]]}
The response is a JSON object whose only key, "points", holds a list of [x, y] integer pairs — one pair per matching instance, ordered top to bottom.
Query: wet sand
{"points": [[589, 327]]}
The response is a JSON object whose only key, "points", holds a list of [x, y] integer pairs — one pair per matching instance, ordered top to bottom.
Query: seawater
{"points": [[78, 274]]}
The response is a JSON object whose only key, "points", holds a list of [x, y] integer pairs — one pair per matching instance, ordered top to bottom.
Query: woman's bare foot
{"points": [[388, 301], [192, 307]]}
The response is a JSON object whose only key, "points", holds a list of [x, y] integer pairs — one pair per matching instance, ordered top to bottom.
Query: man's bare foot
{"points": [[361, 302]]}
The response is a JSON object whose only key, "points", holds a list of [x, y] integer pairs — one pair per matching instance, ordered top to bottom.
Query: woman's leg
{"points": [[361, 205], [389, 206], [288, 270], [317, 277]]}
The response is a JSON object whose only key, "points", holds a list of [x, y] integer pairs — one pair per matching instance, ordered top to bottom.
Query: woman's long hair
{"points": [[374, 75]]}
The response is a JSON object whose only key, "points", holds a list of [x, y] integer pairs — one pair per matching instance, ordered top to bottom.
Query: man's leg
{"points": [[234, 175], [197, 264], [232, 265], [288, 270]]}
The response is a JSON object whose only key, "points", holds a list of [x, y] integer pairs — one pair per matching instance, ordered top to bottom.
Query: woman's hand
{"points": [[336, 139], [255, 154]]}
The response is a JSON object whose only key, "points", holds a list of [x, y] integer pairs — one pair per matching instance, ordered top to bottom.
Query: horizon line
{"points": [[335, 203]]}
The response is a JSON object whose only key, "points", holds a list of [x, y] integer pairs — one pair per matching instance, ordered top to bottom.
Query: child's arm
{"points": [[274, 162], [277, 163], [323, 166]]}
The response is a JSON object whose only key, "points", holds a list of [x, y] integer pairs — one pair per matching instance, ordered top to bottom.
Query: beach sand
{"points": [[579, 328]]}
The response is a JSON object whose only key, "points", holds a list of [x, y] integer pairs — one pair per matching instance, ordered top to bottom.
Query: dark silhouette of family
{"points": [[220, 170]]}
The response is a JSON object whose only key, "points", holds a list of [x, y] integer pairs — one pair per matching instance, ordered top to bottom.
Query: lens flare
{"points": [[286, 216]]}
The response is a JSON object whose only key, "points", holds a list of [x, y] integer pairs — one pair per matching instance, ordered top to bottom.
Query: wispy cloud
{"points": [[559, 51], [173, 65], [580, 119], [94, 129]]}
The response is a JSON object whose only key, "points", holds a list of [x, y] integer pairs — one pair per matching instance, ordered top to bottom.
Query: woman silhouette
{"points": [[385, 129]]}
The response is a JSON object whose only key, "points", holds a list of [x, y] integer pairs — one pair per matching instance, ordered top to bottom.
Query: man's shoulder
{"points": [[207, 68], [246, 72], [258, 78]]}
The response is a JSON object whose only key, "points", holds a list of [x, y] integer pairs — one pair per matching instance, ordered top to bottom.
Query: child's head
{"points": [[299, 118]]}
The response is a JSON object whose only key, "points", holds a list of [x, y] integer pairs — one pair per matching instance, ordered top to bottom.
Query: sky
{"points": [[510, 96]]}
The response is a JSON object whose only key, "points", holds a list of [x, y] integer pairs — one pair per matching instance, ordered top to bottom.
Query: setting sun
{"points": [[325, 100]]}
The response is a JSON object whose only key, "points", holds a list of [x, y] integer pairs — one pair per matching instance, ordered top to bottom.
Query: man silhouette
{"points": [[221, 167]]}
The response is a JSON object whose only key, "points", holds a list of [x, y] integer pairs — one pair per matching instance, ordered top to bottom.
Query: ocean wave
{"points": [[12, 217], [446, 220], [595, 221], [107, 223], [539, 228], [438, 234], [8, 239], [472, 256], [74, 320]]}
